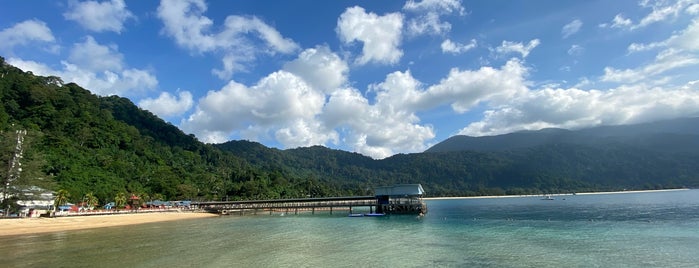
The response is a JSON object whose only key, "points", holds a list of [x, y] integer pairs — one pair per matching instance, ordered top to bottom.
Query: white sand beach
{"points": [[47, 225]]}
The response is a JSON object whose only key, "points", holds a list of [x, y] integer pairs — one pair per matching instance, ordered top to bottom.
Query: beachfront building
{"points": [[400, 199]]}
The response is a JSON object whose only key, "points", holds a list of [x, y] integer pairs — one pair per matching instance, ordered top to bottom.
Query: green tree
{"points": [[61, 198], [91, 200], [120, 200]]}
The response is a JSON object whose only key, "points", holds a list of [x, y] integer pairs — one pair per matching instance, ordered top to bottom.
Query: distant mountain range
{"points": [[676, 135]]}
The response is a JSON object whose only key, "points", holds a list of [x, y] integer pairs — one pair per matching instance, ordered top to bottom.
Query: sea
{"points": [[649, 229]]}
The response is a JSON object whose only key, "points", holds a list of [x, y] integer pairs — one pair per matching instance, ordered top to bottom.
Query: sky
{"points": [[373, 77]]}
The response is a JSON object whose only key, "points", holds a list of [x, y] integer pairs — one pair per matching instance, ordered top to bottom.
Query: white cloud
{"points": [[441, 6], [693, 9], [661, 11], [99, 16], [429, 19], [618, 22], [429, 23], [571, 28], [24, 33], [380, 35], [687, 39], [239, 41], [515, 47], [638, 47], [456, 48], [575, 50], [679, 52], [95, 57], [664, 62], [97, 68], [320, 68], [465, 89], [276, 102], [167, 104], [285, 107], [574, 108], [378, 130]]}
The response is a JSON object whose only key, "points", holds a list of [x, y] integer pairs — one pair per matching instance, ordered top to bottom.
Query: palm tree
{"points": [[61, 198], [145, 198], [91, 200], [120, 200]]}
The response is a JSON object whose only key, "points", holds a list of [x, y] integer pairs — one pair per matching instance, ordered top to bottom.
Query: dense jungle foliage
{"points": [[82, 143]]}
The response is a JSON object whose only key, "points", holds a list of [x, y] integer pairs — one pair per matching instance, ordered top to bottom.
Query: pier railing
{"points": [[224, 207]]}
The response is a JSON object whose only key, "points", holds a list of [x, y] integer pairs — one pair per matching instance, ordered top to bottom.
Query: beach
{"points": [[26, 226]]}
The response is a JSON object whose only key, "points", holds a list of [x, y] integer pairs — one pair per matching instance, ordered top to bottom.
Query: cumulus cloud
{"points": [[429, 15], [99, 16], [571, 28], [24, 33], [380, 35], [240, 39], [517, 47], [456, 48], [95, 57], [96, 67], [320, 68], [274, 103], [167, 104], [289, 107], [574, 108], [378, 130]]}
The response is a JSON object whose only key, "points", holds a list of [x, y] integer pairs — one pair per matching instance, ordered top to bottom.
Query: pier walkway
{"points": [[288, 205]]}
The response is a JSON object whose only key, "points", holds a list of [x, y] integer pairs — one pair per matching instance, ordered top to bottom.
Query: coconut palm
{"points": [[61, 198], [145, 198], [91, 200], [120, 200]]}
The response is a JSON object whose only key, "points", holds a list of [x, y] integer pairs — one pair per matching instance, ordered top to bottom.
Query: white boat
{"points": [[548, 197]]}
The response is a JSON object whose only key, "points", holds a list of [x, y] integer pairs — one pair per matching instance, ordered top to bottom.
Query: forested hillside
{"points": [[83, 143]]}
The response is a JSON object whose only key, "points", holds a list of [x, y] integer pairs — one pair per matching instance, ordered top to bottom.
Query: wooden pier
{"points": [[397, 199], [289, 205]]}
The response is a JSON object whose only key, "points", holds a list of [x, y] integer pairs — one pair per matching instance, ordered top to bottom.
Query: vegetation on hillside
{"points": [[83, 144]]}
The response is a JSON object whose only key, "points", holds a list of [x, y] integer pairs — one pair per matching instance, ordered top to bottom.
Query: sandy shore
{"points": [[590, 193], [47, 225]]}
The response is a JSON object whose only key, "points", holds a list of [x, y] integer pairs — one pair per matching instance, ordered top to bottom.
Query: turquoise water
{"points": [[659, 229]]}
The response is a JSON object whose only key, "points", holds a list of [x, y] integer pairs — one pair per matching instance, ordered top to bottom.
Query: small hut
{"points": [[400, 199], [134, 202]]}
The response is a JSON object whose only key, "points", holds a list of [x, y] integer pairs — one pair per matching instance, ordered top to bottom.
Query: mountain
{"points": [[674, 135], [84, 143]]}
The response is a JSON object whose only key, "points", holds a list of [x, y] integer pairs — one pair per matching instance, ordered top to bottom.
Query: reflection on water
{"points": [[640, 229]]}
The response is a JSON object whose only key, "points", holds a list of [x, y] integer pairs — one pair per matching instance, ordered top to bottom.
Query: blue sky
{"points": [[373, 77]]}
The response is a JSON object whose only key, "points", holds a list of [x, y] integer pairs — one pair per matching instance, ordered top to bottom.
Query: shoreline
{"points": [[563, 194], [31, 226]]}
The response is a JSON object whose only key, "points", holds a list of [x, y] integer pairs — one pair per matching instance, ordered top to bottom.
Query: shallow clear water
{"points": [[659, 229]]}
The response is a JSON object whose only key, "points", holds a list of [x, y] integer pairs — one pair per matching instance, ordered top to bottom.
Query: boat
{"points": [[548, 197], [375, 214], [355, 215]]}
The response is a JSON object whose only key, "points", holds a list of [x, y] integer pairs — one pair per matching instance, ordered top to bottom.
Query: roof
{"points": [[400, 190]]}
